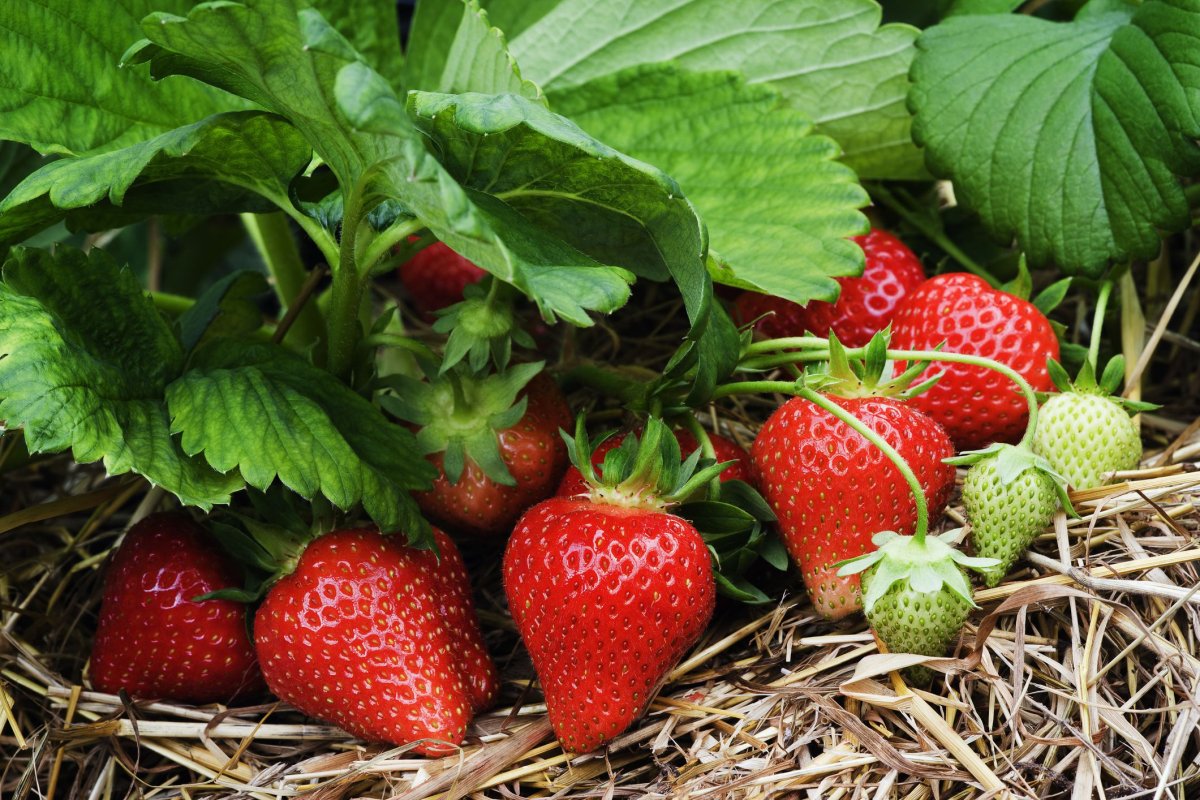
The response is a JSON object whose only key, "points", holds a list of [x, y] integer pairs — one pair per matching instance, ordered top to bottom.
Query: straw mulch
{"points": [[1076, 678]]}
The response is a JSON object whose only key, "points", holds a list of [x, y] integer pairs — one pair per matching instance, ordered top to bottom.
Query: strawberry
{"points": [[436, 277], [864, 306], [976, 406], [1086, 433], [494, 442], [724, 448], [831, 489], [1010, 495], [608, 591], [915, 592], [379, 638], [154, 639]]}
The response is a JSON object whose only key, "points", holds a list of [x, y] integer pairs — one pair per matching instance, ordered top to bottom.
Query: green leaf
{"points": [[962, 8], [512, 16], [373, 28], [462, 53], [277, 54], [830, 58], [62, 91], [1070, 137], [242, 161], [16, 162], [778, 206], [227, 308], [86, 358], [271, 414]]}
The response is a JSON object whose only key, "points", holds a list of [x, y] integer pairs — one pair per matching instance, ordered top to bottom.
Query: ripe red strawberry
{"points": [[436, 277], [864, 306], [976, 406], [725, 449], [496, 456], [832, 490], [608, 592], [379, 638], [153, 639]]}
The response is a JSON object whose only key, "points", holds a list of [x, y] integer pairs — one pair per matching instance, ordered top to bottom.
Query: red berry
{"points": [[436, 277], [864, 307], [976, 406], [726, 449], [535, 455], [833, 490], [607, 598], [378, 638], [153, 639]]}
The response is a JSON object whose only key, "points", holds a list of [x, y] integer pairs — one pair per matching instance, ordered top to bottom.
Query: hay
{"points": [[1075, 679]]}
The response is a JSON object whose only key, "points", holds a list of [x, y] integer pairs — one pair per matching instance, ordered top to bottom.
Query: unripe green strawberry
{"points": [[1086, 436], [1007, 511], [915, 592], [910, 621]]}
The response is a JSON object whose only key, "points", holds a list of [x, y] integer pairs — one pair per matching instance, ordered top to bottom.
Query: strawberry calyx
{"points": [[484, 325], [869, 373], [1086, 383], [461, 414], [1013, 460], [643, 472], [927, 565]]}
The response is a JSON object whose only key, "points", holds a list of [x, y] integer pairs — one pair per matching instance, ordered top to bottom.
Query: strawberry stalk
{"points": [[1102, 296], [816, 349]]}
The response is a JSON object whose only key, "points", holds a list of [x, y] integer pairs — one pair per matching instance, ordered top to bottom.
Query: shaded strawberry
{"points": [[436, 277], [865, 304], [963, 314], [494, 441], [154, 638]]}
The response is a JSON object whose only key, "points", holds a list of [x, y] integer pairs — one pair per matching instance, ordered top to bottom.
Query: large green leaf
{"points": [[512, 16], [373, 27], [276, 53], [462, 53], [830, 58], [61, 90], [1069, 137], [241, 161], [778, 207], [86, 358], [270, 414]]}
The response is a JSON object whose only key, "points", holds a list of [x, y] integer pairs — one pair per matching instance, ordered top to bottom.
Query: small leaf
{"points": [[1052, 296], [227, 308]]}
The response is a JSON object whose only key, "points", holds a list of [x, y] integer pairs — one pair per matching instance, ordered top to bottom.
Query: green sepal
{"points": [[1022, 285], [1052, 296], [483, 327], [869, 376], [1085, 383], [461, 414], [1011, 460], [927, 565]]}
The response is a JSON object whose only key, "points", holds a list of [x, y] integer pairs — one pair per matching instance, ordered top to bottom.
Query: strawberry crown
{"points": [[484, 324], [868, 376], [1086, 383], [461, 414], [642, 472], [926, 565]]}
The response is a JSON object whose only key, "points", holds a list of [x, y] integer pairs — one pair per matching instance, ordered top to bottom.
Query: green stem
{"points": [[934, 233], [273, 238], [387, 239], [1106, 288], [345, 303], [172, 304], [788, 343], [756, 387], [630, 390], [706, 449], [914, 486]]}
